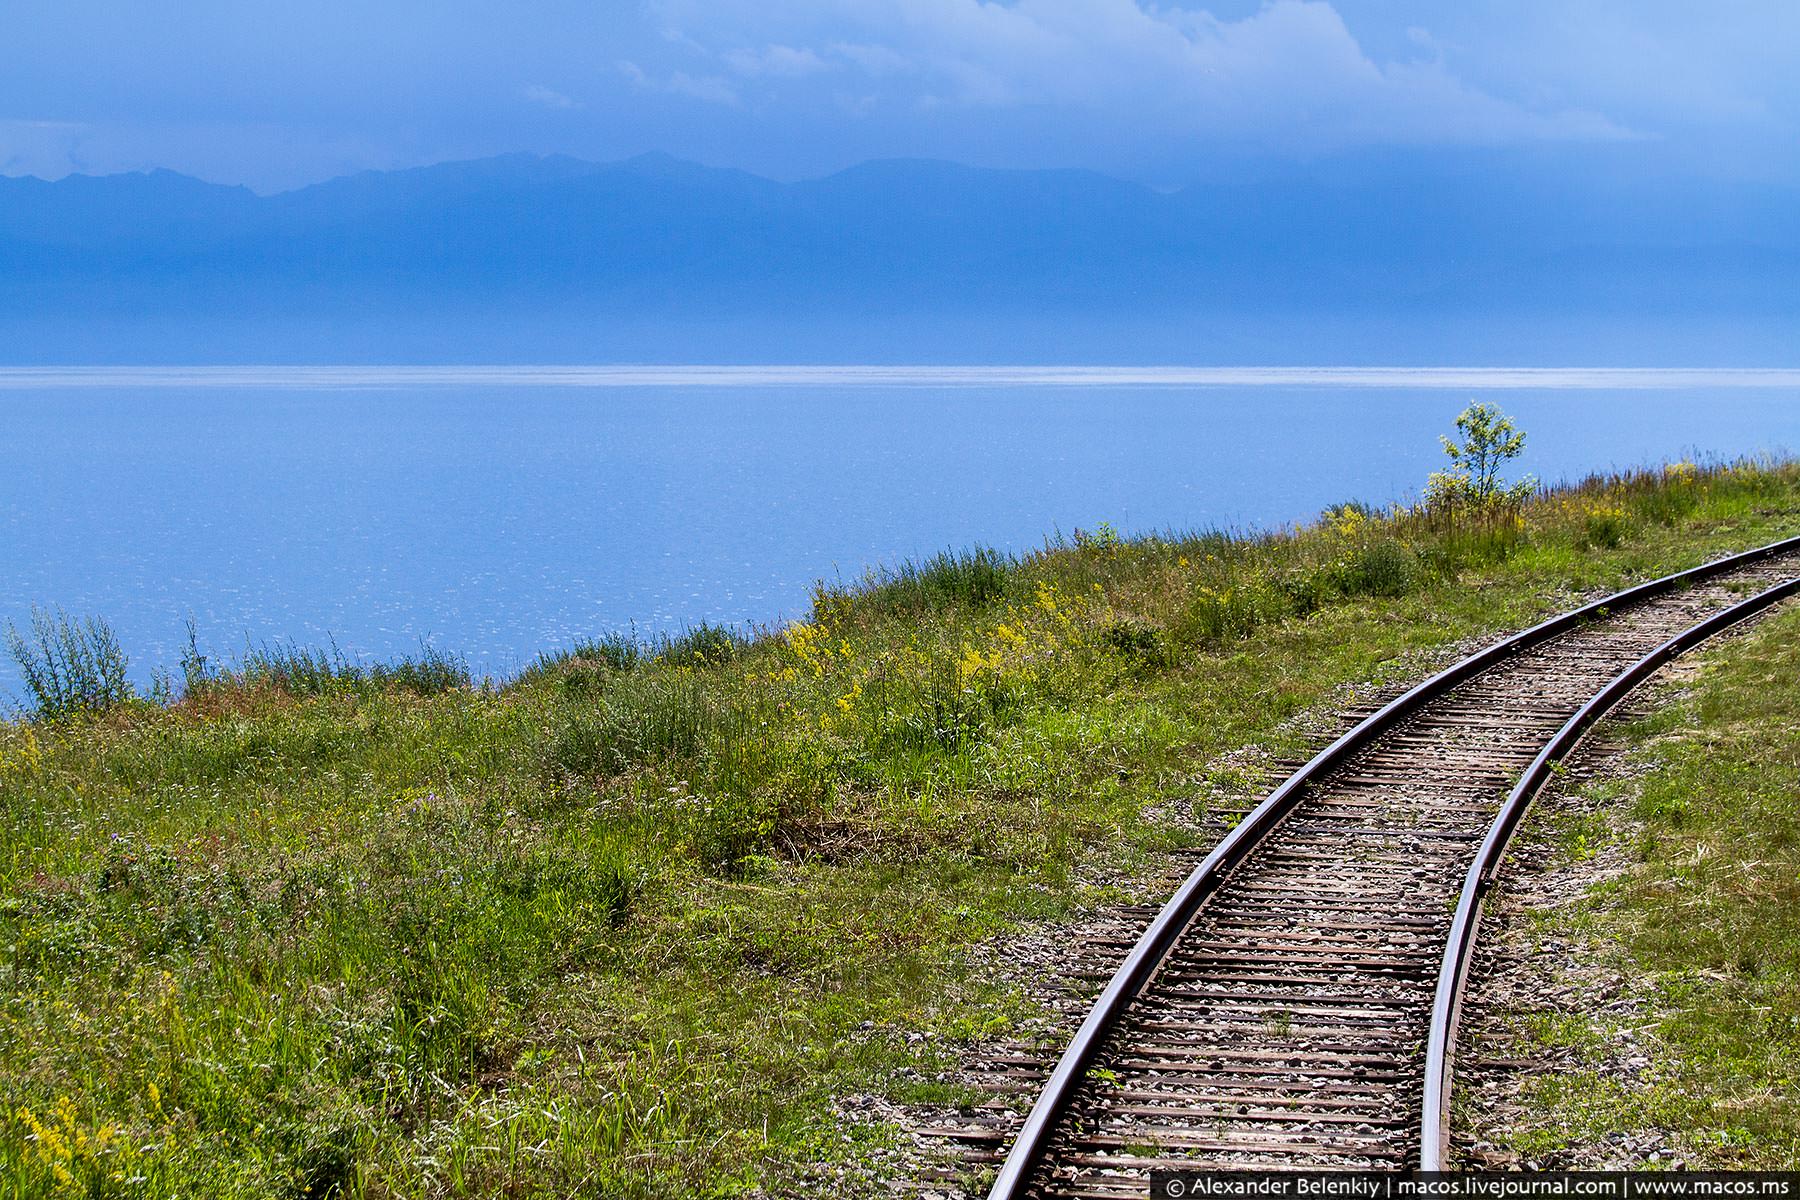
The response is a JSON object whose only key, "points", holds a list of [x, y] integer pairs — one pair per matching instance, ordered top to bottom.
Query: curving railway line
{"points": [[1294, 1003]]}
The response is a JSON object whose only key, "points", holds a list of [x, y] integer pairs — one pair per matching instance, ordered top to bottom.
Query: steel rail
{"points": [[1484, 872], [1031, 1146]]}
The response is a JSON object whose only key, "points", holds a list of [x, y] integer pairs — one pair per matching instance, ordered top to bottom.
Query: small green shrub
{"points": [[1489, 441], [1472, 492], [1667, 504], [1604, 529], [1102, 540], [1381, 568], [1303, 591], [1215, 615], [1134, 641], [702, 646], [70, 665], [584, 668], [431, 672]]}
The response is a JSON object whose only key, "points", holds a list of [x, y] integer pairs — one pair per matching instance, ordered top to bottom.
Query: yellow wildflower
{"points": [[808, 644], [971, 662], [25, 756], [63, 1140]]}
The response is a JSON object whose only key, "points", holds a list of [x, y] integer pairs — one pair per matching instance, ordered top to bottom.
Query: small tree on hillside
{"points": [[1489, 440]]}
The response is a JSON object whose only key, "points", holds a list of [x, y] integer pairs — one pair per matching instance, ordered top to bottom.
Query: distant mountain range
{"points": [[522, 257]]}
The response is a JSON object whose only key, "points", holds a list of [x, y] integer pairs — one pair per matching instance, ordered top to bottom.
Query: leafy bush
{"points": [[1472, 485], [1102, 540], [70, 665]]}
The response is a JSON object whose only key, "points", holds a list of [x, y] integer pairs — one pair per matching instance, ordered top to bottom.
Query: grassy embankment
{"points": [[1705, 920], [617, 926]]}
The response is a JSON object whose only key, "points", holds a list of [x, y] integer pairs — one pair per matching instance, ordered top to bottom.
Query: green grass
{"points": [[295, 672], [1707, 918], [627, 924]]}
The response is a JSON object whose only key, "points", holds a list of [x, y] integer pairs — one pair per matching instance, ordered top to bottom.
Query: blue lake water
{"points": [[500, 513]]}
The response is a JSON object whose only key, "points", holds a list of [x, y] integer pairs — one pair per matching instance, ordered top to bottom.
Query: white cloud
{"points": [[784, 61], [875, 61], [1668, 63], [1290, 73], [710, 88], [549, 98]]}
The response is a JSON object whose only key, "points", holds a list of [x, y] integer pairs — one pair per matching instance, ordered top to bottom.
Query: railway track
{"points": [[1294, 1004]]}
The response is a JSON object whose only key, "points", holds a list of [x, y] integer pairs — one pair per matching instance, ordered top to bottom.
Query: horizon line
{"points": [[350, 377]]}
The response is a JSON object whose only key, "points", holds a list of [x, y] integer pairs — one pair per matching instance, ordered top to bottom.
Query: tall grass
{"points": [[972, 579], [701, 645], [587, 663], [300, 672], [638, 719]]}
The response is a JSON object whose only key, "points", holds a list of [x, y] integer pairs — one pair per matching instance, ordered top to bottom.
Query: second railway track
{"points": [[1276, 1013]]}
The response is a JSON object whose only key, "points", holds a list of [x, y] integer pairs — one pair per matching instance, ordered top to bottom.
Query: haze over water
{"points": [[499, 512]]}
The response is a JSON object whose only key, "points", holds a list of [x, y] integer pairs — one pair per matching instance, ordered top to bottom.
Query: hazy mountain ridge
{"points": [[656, 238]]}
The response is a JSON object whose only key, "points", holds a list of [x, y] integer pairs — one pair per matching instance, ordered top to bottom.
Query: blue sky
{"points": [[277, 95]]}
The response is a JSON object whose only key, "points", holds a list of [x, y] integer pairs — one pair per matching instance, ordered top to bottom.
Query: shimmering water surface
{"points": [[501, 512]]}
